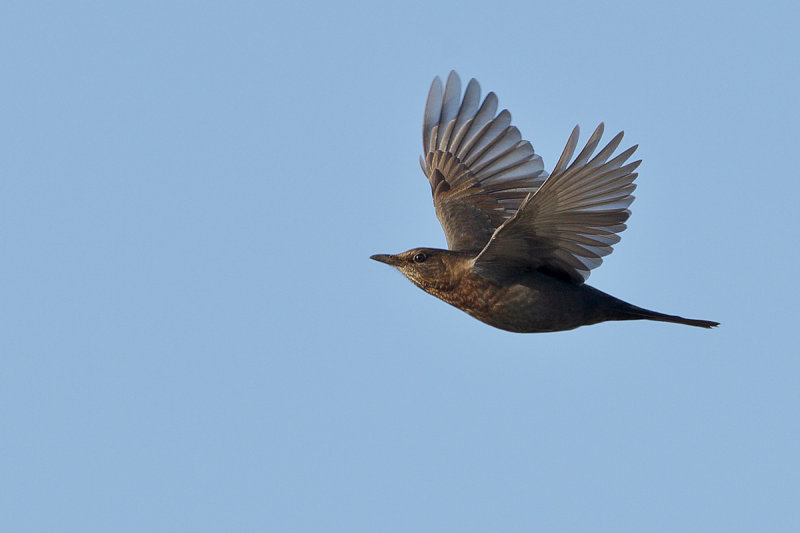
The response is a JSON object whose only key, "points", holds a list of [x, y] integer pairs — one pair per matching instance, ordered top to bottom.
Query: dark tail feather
{"points": [[631, 312], [680, 320]]}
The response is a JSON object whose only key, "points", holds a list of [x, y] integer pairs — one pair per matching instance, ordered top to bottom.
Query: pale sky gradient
{"points": [[194, 338]]}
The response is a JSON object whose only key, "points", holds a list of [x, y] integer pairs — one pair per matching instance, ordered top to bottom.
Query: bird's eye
{"points": [[419, 258]]}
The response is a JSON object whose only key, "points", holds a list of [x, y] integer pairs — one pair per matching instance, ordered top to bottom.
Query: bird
{"points": [[521, 241]]}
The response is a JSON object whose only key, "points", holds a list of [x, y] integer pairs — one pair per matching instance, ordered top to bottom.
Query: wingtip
{"points": [[453, 77], [475, 84]]}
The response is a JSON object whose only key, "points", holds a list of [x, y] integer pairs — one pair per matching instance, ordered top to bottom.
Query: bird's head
{"points": [[430, 269]]}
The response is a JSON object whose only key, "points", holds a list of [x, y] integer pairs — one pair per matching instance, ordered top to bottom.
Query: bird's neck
{"points": [[459, 267]]}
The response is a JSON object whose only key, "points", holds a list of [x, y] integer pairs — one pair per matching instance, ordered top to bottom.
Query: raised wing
{"points": [[479, 168], [572, 221]]}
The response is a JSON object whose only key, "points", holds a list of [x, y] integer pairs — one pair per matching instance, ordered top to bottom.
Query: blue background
{"points": [[192, 335]]}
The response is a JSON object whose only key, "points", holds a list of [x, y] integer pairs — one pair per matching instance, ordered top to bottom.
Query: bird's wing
{"points": [[479, 168], [571, 222]]}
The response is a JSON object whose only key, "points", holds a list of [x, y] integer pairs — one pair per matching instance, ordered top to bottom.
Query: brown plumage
{"points": [[521, 243]]}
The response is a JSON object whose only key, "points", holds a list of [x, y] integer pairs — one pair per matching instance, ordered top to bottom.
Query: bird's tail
{"points": [[632, 312]]}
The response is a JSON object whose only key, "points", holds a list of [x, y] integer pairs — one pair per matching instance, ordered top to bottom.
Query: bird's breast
{"points": [[473, 294]]}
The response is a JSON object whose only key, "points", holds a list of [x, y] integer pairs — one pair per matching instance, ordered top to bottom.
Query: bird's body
{"points": [[521, 242], [527, 301]]}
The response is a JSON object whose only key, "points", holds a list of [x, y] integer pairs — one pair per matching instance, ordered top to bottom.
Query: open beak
{"points": [[386, 258]]}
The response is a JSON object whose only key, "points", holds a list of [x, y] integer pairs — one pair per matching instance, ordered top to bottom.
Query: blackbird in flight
{"points": [[521, 242]]}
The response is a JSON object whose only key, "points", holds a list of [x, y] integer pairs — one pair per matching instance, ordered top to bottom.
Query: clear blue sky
{"points": [[194, 339]]}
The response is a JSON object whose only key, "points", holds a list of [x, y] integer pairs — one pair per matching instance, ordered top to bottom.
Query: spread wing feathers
{"points": [[479, 168], [572, 221]]}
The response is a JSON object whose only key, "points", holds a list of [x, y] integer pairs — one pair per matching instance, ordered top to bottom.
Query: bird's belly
{"points": [[528, 308]]}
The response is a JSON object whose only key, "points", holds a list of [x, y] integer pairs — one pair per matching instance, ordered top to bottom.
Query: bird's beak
{"points": [[386, 258]]}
